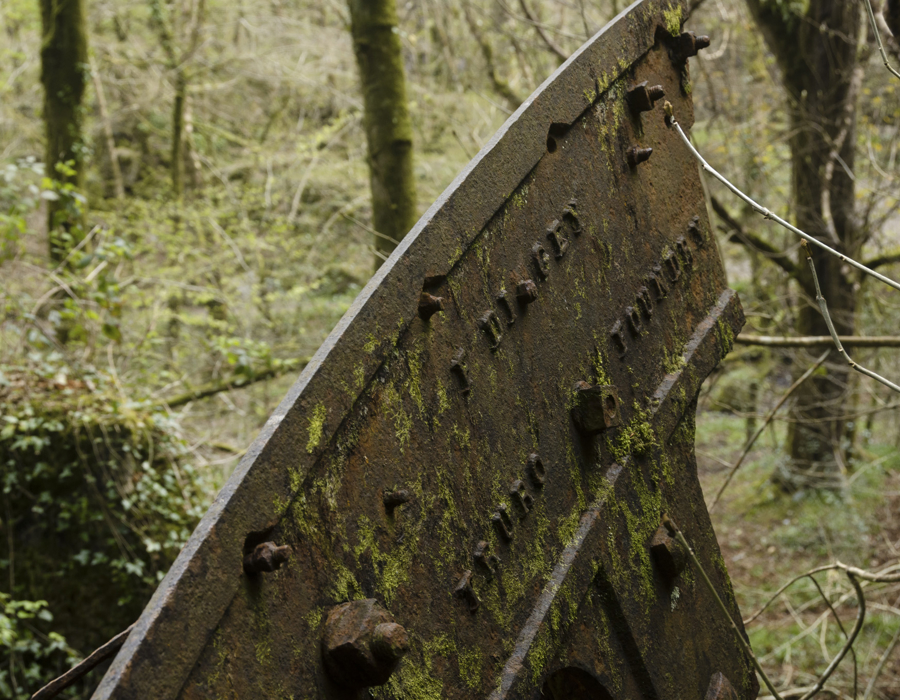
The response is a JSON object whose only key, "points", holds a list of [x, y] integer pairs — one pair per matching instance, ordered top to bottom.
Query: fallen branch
{"points": [[819, 341], [213, 388], [761, 428], [57, 685]]}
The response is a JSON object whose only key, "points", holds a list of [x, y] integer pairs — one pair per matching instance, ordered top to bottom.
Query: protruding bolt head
{"points": [[687, 44], [641, 98], [638, 155], [526, 292], [429, 305], [596, 408], [392, 499], [668, 554], [266, 557], [390, 642], [362, 645], [720, 688]]}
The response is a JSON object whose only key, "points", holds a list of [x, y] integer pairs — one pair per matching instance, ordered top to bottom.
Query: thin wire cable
{"points": [[884, 57], [758, 208]]}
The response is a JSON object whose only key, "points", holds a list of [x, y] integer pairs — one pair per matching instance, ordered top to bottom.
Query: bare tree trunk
{"points": [[818, 56], [64, 64], [387, 121], [178, 133], [118, 184]]}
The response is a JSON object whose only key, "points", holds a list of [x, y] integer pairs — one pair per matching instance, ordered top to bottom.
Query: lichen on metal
{"points": [[463, 492]]}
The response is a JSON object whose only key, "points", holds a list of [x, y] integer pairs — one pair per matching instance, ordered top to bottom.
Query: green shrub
{"points": [[98, 499]]}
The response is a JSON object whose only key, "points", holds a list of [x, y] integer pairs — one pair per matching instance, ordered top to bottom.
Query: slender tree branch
{"points": [[554, 48], [884, 58], [501, 86], [670, 120], [750, 240], [888, 258], [823, 307], [818, 341], [213, 388], [768, 419], [677, 534], [881, 663], [56, 686]]}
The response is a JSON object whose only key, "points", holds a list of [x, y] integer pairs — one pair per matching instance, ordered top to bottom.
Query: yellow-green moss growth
{"points": [[316, 424]]}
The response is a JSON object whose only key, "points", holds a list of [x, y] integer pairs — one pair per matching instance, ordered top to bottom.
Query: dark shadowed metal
{"points": [[461, 497]]}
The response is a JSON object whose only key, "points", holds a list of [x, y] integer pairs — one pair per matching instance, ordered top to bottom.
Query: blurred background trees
{"points": [[208, 193]]}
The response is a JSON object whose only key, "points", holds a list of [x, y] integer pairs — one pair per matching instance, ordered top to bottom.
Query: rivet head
{"points": [[638, 155], [526, 292], [429, 305], [668, 554], [266, 557], [362, 644]]}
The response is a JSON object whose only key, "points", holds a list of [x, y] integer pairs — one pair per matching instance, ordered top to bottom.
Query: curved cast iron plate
{"points": [[558, 261]]}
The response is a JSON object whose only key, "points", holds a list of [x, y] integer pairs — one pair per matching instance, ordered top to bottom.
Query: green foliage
{"points": [[22, 186], [98, 498], [27, 653]]}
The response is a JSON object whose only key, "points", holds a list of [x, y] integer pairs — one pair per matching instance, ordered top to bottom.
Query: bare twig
{"points": [[560, 54], [884, 58], [758, 208], [823, 307], [818, 341], [214, 388], [761, 428], [675, 532], [853, 574], [881, 663], [56, 686]]}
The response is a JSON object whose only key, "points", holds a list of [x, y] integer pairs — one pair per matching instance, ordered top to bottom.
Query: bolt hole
{"points": [[551, 144], [610, 404]]}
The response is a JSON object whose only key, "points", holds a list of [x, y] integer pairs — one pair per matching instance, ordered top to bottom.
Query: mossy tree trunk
{"points": [[376, 44], [817, 53], [64, 72]]}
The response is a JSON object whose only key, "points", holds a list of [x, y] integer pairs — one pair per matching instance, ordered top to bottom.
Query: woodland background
{"points": [[221, 222]]}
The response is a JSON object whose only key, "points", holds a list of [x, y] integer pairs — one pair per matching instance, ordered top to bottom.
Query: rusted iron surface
{"points": [[476, 462]]}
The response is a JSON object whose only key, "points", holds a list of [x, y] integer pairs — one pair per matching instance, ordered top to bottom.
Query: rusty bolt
{"points": [[687, 44], [641, 98], [638, 155], [526, 292], [429, 305], [596, 408], [392, 499], [669, 555], [266, 557], [362, 645], [720, 688]]}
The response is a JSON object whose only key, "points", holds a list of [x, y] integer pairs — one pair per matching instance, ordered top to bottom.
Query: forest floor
{"points": [[768, 537]]}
